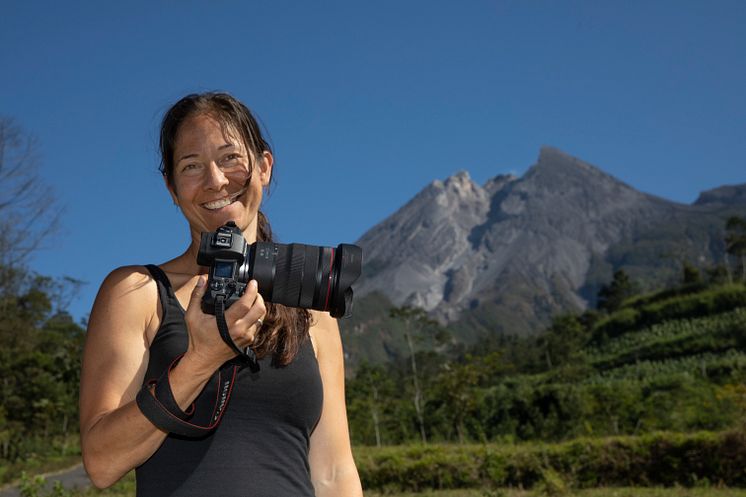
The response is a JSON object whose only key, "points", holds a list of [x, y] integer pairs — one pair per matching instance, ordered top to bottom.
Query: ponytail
{"points": [[263, 229], [284, 328]]}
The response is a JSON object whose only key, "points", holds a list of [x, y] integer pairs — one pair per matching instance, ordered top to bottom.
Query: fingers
{"points": [[195, 301], [246, 312], [242, 317]]}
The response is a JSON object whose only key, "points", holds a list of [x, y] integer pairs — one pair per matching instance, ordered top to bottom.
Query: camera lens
{"points": [[298, 275]]}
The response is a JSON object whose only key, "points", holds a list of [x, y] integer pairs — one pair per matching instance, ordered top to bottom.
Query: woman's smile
{"points": [[215, 205]]}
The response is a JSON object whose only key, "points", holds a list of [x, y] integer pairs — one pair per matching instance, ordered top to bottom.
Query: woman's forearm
{"points": [[124, 438], [117, 442], [343, 481]]}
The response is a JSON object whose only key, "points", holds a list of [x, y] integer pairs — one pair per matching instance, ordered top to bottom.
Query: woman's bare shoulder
{"points": [[133, 277], [127, 292]]}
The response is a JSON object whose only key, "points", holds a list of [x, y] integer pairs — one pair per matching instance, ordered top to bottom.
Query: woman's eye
{"points": [[231, 160], [190, 168]]}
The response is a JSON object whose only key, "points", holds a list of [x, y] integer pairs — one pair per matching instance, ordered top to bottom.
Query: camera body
{"points": [[224, 251], [294, 275]]}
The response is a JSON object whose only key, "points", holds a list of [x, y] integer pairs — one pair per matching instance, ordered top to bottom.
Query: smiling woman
{"points": [[285, 430]]}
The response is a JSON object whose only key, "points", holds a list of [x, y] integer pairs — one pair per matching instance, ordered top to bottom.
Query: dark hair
{"points": [[226, 109], [284, 328]]}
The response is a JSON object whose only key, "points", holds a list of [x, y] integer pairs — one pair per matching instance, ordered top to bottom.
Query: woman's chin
{"points": [[231, 212], [219, 217]]}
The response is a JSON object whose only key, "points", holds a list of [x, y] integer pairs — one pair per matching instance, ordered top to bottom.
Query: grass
{"points": [[126, 488], [594, 492]]}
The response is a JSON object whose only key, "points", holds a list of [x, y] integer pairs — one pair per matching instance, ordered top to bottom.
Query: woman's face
{"points": [[211, 169]]}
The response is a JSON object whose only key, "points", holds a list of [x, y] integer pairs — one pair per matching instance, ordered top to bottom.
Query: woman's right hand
{"points": [[206, 346]]}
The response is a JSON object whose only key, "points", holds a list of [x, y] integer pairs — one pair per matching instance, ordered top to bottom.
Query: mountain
{"points": [[724, 195], [505, 256]]}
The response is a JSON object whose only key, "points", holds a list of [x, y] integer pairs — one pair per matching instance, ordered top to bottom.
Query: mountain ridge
{"points": [[507, 255]]}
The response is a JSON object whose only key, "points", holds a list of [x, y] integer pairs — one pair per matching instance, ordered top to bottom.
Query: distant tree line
{"points": [[40, 344], [40, 348], [577, 377]]}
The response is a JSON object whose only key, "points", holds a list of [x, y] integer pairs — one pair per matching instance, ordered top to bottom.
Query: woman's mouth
{"points": [[223, 202]]}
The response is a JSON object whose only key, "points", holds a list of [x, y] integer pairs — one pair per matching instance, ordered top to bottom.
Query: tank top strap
{"points": [[165, 291]]}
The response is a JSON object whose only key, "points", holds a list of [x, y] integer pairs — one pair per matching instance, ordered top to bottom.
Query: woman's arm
{"points": [[115, 436], [333, 469]]}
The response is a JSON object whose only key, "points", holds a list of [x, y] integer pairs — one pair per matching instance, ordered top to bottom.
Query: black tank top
{"points": [[260, 448]]}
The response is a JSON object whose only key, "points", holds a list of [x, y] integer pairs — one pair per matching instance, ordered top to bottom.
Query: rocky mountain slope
{"points": [[507, 255]]}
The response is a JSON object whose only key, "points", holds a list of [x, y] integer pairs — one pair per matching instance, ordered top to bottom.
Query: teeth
{"points": [[219, 204]]}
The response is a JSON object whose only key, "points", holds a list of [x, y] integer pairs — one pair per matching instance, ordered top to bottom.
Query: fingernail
{"points": [[201, 281], [254, 285]]}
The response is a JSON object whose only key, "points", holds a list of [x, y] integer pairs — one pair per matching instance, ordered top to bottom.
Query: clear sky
{"points": [[365, 103]]}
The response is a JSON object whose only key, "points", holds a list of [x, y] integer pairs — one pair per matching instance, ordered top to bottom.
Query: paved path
{"points": [[74, 477]]}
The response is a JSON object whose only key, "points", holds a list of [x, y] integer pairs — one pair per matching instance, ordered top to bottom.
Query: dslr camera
{"points": [[294, 275]]}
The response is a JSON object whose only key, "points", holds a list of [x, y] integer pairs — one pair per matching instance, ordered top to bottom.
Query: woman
{"points": [[284, 432]]}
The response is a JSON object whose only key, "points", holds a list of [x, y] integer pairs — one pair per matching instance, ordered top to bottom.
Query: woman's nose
{"points": [[215, 179]]}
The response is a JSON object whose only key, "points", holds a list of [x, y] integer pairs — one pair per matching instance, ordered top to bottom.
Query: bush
{"points": [[656, 459]]}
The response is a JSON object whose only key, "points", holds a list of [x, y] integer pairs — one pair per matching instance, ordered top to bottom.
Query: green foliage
{"points": [[735, 242], [690, 274], [611, 296], [655, 309], [672, 339], [564, 340], [40, 349], [669, 360], [553, 469], [552, 484], [37, 487]]}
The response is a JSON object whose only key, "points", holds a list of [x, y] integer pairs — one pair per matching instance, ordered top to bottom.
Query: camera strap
{"points": [[247, 355], [157, 403]]}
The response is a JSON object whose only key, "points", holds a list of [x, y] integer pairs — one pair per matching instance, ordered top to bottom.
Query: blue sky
{"points": [[365, 104]]}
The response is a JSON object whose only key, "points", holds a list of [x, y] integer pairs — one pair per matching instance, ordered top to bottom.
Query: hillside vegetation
{"points": [[672, 360]]}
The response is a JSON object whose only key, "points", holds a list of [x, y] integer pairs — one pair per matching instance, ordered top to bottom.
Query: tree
{"points": [[28, 210], [735, 241], [690, 274], [718, 274], [611, 296], [414, 320], [564, 340], [40, 345], [40, 349], [457, 391], [370, 394]]}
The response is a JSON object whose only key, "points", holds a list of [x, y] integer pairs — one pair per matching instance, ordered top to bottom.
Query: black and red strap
{"points": [[156, 399]]}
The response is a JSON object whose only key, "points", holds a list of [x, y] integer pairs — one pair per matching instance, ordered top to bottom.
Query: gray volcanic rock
{"points": [[724, 195], [522, 244], [409, 255]]}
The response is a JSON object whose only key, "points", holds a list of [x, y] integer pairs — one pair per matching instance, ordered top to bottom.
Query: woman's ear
{"points": [[265, 167]]}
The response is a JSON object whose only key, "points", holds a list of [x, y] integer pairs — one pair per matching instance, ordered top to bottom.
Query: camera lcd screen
{"points": [[223, 269]]}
